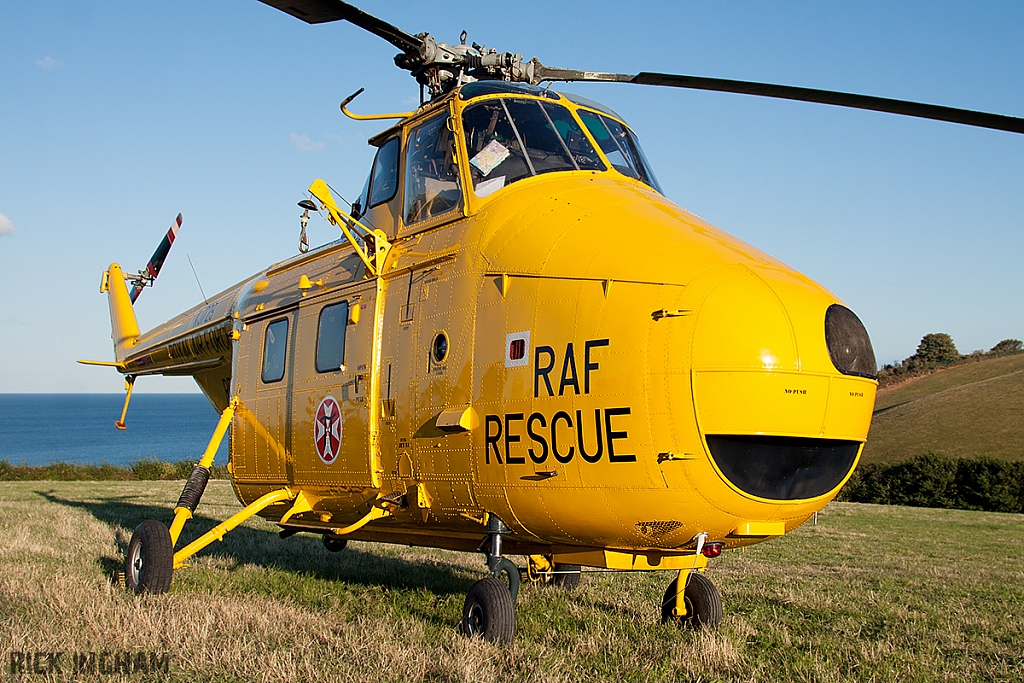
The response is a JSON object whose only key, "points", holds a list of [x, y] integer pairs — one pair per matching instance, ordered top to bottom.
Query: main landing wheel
{"points": [[335, 545], [149, 562], [566, 576], [703, 603], [489, 612]]}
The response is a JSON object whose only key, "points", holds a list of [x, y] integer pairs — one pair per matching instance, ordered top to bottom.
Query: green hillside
{"points": [[969, 410]]}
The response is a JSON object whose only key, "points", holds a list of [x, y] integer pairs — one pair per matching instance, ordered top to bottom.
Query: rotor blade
{"points": [[322, 11], [787, 92], [157, 262]]}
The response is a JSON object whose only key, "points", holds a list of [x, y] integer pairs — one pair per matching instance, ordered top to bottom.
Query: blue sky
{"points": [[115, 116]]}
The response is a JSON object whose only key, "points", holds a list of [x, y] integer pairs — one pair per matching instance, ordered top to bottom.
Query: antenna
{"points": [[205, 300]]}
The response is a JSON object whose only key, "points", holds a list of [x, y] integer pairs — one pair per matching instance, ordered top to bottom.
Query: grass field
{"points": [[970, 410], [870, 593]]}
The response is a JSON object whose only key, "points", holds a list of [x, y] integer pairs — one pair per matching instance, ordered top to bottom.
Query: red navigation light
{"points": [[517, 349], [712, 550]]}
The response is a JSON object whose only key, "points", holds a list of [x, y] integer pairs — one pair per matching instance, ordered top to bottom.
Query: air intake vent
{"points": [[783, 468], [658, 529]]}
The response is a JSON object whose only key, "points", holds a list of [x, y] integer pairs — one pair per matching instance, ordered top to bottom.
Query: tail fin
{"points": [[123, 325], [124, 328]]}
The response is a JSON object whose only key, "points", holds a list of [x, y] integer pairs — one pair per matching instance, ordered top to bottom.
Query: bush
{"points": [[940, 346], [1008, 346], [936, 348], [143, 469], [160, 469], [926, 481], [941, 481], [987, 484]]}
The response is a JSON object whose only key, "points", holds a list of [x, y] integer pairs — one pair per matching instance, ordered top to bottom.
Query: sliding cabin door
{"points": [[330, 409], [261, 430]]}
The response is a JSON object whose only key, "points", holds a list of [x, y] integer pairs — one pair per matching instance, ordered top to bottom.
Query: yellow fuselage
{"points": [[597, 335]]}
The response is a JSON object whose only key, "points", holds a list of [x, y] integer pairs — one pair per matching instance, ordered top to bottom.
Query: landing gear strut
{"points": [[543, 569], [490, 611]]}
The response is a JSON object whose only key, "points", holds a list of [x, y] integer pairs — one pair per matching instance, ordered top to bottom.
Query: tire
{"points": [[335, 545], [149, 561], [566, 576], [511, 579], [703, 603], [489, 612]]}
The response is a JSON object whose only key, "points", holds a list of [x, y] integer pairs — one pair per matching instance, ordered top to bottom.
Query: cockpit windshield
{"points": [[510, 139], [620, 146], [431, 176]]}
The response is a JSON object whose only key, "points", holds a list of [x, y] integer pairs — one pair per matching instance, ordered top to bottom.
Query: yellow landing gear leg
{"points": [[129, 384], [200, 476], [217, 532], [151, 560], [539, 568], [679, 606]]}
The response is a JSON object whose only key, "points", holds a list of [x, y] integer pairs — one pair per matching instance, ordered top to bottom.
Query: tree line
{"points": [[937, 350], [940, 481]]}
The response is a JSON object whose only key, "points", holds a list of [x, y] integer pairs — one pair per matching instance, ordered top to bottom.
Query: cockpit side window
{"points": [[510, 139], [620, 146], [385, 173], [431, 175], [360, 204]]}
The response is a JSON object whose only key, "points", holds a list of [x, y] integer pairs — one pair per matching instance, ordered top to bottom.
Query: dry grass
{"points": [[869, 594]]}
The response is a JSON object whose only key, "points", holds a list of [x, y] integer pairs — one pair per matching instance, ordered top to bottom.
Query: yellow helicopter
{"points": [[519, 347]]}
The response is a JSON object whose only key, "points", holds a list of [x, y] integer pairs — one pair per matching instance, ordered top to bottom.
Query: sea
{"points": [[38, 429]]}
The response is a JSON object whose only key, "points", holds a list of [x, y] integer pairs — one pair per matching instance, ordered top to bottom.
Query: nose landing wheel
{"points": [[703, 604], [490, 609], [489, 612]]}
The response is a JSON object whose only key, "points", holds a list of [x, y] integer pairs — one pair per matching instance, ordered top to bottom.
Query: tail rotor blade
{"points": [[157, 261]]}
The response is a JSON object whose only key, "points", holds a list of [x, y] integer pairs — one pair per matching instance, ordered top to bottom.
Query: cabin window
{"points": [[510, 139], [621, 147], [385, 173], [431, 175], [330, 337], [275, 348]]}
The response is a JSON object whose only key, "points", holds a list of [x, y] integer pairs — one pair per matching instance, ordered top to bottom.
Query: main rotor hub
{"points": [[442, 67]]}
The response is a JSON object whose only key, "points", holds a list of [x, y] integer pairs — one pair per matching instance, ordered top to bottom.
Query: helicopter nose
{"points": [[746, 356], [779, 420]]}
